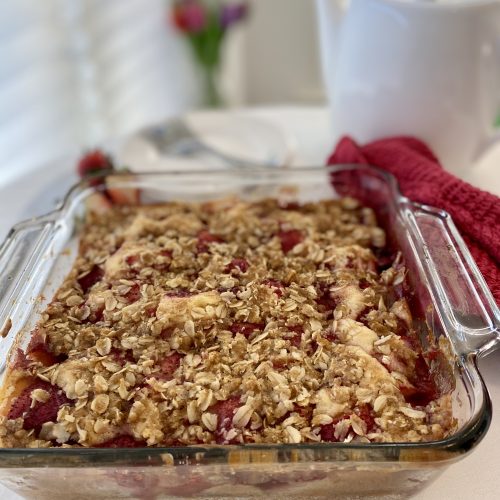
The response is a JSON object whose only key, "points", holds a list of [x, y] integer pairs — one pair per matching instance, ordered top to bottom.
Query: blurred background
{"points": [[76, 72]]}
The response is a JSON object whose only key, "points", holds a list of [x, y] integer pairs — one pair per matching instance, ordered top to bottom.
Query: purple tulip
{"points": [[232, 13]]}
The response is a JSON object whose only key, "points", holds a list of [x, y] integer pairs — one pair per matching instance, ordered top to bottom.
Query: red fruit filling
{"points": [[204, 239], [289, 239], [237, 264], [90, 279], [276, 284], [134, 294], [246, 329], [297, 330], [39, 350], [122, 356], [20, 362], [169, 364], [423, 389], [225, 411], [41, 412], [327, 432], [124, 441]]}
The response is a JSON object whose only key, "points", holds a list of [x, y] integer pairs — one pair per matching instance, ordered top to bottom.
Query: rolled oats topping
{"points": [[226, 322]]}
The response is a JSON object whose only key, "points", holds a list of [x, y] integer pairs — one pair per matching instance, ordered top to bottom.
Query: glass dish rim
{"points": [[473, 431]]}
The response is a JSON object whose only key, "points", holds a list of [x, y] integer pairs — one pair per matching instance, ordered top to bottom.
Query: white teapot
{"points": [[430, 69]]}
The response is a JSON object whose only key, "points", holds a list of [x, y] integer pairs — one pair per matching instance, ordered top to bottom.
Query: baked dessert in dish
{"points": [[226, 322]]}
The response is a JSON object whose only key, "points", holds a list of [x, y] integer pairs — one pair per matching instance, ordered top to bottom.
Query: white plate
{"points": [[233, 133]]}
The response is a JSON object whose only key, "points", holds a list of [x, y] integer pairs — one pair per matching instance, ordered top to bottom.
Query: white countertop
{"points": [[477, 476]]}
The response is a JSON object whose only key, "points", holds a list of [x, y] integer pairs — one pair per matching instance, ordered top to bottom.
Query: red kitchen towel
{"points": [[421, 178]]}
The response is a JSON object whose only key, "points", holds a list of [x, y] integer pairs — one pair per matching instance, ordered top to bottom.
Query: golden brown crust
{"points": [[230, 322]]}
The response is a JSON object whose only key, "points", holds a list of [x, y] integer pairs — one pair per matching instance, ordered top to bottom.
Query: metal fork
{"points": [[176, 138]]}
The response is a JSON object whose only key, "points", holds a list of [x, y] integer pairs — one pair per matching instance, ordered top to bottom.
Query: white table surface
{"points": [[308, 130]]}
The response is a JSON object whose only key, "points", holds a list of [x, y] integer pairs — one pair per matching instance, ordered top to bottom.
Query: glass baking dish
{"points": [[450, 296]]}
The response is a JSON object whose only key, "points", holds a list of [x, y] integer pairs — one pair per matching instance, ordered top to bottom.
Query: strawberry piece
{"points": [[92, 163], [290, 205], [204, 239], [289, 239], [130, 260], [237, 265], [90, 279], [276, 284], [134, 294], [246, 329], [297, 330], [39, 350], [122, 356], [20, 362], [169, 365], [424, 388], [225, 411], [41, 412], [365, 413], [327, 432], [123, 441]]}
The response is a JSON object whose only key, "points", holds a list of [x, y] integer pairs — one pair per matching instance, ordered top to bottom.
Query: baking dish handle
{"points": [[22, 257], [460, 294]]}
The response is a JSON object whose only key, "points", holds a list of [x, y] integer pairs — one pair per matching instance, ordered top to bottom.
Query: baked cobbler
{"points": [[222, 323]]}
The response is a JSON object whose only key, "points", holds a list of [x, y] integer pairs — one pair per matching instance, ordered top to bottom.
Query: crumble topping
{"points": [[226, 322]]}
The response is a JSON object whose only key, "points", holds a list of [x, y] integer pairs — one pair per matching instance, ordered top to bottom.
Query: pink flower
{"points": [[232, 13], [189, 16]]}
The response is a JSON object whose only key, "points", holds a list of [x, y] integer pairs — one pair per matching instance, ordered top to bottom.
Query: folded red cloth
{"points": [[421, 178]]}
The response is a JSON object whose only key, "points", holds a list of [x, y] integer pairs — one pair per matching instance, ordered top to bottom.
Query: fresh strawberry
{"points": [[93, 163], [204, 239], [289, 239], [240, 265], [91, 278], [277, 285], [246, 329], [169, 364], [41, 412], [123, 441]]}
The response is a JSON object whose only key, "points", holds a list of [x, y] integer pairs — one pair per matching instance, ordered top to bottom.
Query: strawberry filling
{"points": [[289, 239], [204, 240], [240, 265], [90, 279], [277, 285], [134, 294], [246, 329], [169, 364], [225, 411], [41, 412], [124, 441]]}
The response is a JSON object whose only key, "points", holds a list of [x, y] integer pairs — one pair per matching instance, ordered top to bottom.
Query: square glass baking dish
{"points": [[451, 300]]}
